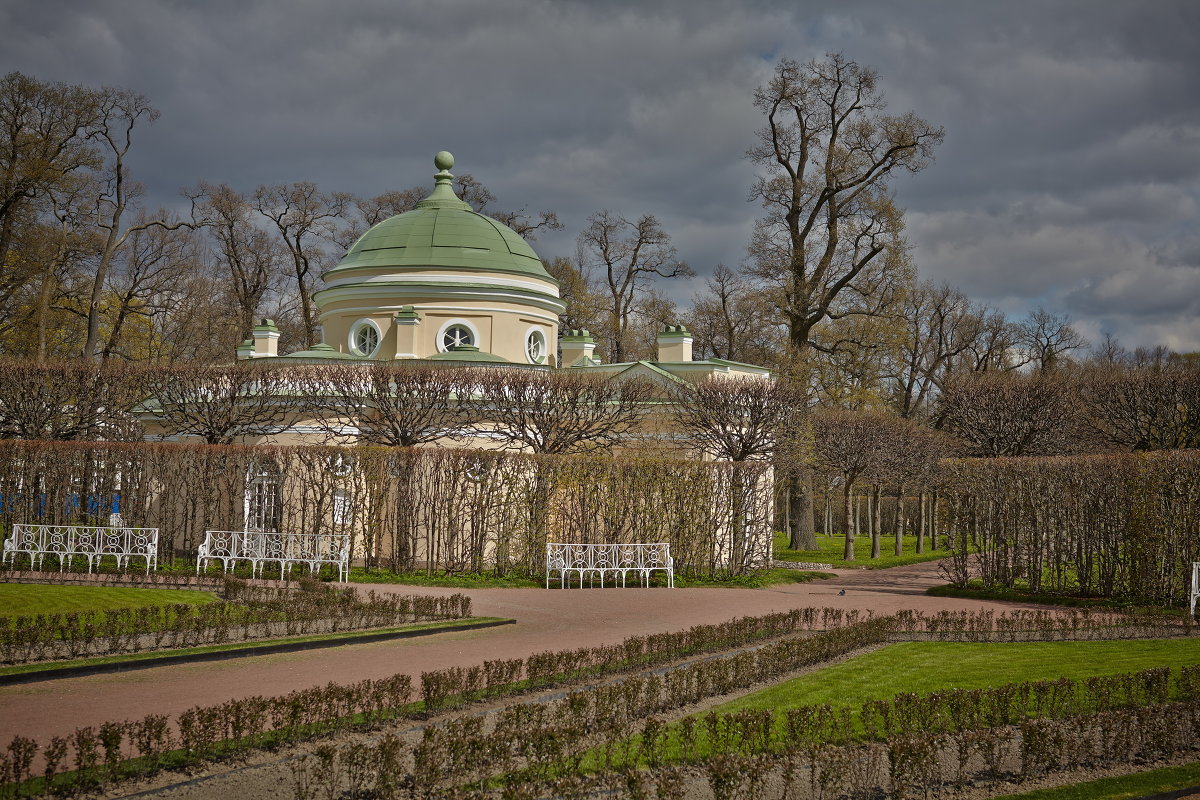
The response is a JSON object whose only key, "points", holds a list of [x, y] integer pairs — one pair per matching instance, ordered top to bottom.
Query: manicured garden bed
{"points": [[975, 591], [36, 598], [90, 666], [929, 666]]}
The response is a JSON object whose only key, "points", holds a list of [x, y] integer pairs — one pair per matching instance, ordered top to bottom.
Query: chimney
{"points": [[266, 339], [674, 344], [577, 346]]}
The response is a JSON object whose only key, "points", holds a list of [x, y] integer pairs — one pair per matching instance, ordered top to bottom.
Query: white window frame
{"points": [[448, 324], [358, 325], [529, 334], [264, 497], [343, 507]]}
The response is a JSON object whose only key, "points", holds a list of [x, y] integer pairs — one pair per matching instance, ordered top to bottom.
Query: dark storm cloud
{"points": [[1068, 178]]}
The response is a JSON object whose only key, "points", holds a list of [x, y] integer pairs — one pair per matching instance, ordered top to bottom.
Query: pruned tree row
{"points": [[447, 509], [1109, 526]]}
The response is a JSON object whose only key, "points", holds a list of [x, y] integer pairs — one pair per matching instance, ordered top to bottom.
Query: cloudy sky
{"points": [[1068, 178]]}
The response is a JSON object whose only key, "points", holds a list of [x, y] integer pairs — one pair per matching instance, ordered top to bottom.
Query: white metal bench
{"points": [[93, 542], [260, 548], [600, 560]]}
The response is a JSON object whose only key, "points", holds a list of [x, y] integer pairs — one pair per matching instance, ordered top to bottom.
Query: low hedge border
{"points": [[223, 652]]}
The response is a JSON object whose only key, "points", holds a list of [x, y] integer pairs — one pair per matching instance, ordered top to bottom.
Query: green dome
{"points": [[443, 231]]}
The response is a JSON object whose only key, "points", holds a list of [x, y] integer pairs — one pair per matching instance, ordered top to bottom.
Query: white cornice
{"points": [[404, 278], [403, 293], [553, 320]]}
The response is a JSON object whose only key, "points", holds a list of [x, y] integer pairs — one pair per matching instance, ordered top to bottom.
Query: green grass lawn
{"points": [[830, 549], [462, 580], [758, 580], [37, 598], [922, 667], [1125, 787]]}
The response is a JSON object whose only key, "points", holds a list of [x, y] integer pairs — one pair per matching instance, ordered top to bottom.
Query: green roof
{"points": [[442, 231], [321, 351], [467, 353]]}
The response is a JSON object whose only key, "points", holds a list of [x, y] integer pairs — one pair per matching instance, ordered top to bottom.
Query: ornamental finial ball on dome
{"points": [[443, 161]]}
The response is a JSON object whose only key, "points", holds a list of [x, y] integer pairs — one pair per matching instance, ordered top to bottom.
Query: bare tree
{"points": [[120, 111], [305, 218], [832, 232], [831, 244], [74, 245], [626, 254], [251, 256], [152, 266], [585, 303], [732, 320], [941, 327], [1046, 339], [995, 348], [1109, 351], [75, 400], [220, 404], [397, 405], [1144, 409], [559, 413], [1010, 414], [737, 420], [848, 446], [909, 453]]}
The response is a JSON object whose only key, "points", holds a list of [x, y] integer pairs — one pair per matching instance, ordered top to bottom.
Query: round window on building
{"points": [[457, 336], [365, 338], [535, 346]]}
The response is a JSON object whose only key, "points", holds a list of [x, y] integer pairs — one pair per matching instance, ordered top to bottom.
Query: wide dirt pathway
{"points": [[546, 620]]}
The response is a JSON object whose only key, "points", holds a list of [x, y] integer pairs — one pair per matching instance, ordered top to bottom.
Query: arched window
{"points": [[264, 498]]}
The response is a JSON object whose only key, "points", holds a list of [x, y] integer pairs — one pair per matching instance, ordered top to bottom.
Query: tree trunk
{"points": [[43, 316], [91, 347], [848, 498], [921, 501], [787, 510], [857, 513], [876, 520], [933, 522], [802, 533], [899, 549], [737, 558]]}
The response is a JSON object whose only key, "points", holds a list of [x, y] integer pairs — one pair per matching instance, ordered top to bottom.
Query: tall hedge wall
{"points": [[456, 510], [1112, 526]]}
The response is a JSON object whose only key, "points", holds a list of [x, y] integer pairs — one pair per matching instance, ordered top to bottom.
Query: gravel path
{"points": [[546, 620]]}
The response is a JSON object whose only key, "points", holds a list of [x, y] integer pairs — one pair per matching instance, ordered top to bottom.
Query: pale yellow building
{"points": [[444, 283]]}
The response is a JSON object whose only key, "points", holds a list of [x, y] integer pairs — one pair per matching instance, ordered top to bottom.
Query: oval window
{"points": [[365, 338], [535, 346]]}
